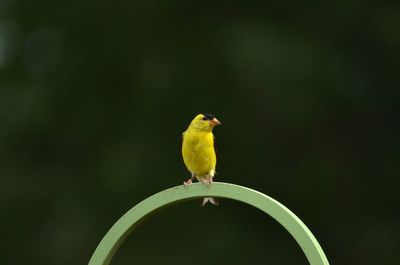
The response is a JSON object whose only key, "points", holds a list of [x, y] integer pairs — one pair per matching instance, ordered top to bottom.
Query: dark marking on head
{"points": [[208, 116]]}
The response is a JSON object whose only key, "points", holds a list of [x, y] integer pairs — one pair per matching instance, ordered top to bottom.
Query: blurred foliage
{"points": [[94, 96]]}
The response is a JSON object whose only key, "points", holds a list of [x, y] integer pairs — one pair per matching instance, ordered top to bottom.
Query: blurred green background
{"points": [[94, 96]]}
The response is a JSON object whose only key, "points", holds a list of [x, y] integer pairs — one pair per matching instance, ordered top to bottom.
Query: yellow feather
{"points": [[198, 147], [198, 153]]}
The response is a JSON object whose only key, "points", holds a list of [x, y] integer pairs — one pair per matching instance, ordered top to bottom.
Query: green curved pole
{"points": [[127, 223]]}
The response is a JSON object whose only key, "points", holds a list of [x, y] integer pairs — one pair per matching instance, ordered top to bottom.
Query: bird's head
{"points": [[204, 122]]}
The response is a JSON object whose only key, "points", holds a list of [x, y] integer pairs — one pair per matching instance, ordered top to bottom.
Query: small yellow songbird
{"points": [[198, 150]]}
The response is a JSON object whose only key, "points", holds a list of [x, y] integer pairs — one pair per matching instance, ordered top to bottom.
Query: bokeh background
{"points": [[94, 96]]}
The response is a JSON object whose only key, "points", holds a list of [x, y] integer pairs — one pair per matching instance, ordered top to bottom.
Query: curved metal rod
{"points": [[127, 223]]}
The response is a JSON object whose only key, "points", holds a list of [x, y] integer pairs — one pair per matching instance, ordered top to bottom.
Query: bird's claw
{"points": [[188, 182], [208, 182]]}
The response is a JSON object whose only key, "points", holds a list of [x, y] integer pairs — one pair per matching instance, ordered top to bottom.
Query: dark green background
{"points": [[94, 96]]}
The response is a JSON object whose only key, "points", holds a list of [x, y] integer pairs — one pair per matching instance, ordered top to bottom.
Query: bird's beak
{"points": [[215, 121]]}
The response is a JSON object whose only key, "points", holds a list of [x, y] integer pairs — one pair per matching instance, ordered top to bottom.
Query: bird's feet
{"points": [[187, 182], [208, 182]]}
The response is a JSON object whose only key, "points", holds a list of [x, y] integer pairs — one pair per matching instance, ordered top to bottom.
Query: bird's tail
{"points": [[211, 200]]}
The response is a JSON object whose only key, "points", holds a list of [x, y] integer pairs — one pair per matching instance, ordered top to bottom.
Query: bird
{"points": [[198, 151]]}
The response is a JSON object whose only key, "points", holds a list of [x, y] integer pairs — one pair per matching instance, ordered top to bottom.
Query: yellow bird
{"points": [[198, 150]]}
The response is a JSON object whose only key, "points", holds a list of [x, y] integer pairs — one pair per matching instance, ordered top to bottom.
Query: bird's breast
{"points": [[198, 153]]}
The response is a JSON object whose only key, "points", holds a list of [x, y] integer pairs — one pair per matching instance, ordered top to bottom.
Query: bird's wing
{"points": [[183, 135], [215, 144], [215, 150]]}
